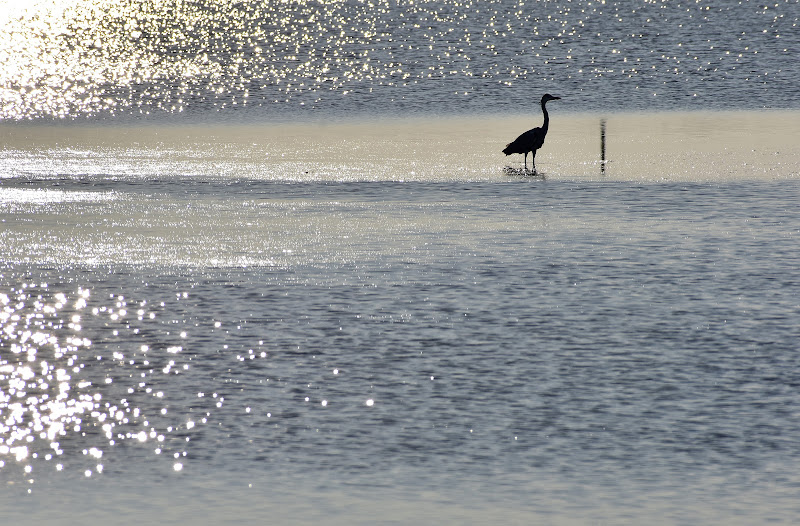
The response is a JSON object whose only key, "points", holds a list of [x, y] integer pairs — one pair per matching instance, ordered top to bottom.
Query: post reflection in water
{"points": [[603, 146]]}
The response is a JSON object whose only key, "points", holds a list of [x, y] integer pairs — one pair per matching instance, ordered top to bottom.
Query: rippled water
{"points": [[266, 60], [235, 286], [228, 323]]}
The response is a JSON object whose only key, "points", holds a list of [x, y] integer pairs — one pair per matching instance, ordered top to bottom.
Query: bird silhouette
{"points": [[531, 140]]}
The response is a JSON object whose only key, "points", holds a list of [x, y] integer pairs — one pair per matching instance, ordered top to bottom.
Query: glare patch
{"points": [[41, 196]]}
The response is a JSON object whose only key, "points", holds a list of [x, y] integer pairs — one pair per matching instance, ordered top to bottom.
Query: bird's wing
{"points": [[523, 143]]}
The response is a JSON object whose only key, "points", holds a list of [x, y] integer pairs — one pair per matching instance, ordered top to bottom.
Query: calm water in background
{"points": [[380, 320]]}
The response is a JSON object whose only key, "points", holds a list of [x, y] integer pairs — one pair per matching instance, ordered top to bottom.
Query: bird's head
{"points": [[547, 97]]}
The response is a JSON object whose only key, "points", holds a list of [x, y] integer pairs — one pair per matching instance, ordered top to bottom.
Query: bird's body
{"points": [[531, 140]]}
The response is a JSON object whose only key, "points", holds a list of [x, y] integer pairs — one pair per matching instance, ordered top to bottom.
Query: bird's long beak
{"points": [[556, 98]]}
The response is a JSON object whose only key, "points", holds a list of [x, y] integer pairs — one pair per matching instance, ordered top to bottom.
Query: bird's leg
{"points": [[525, 162], [533, 162]]}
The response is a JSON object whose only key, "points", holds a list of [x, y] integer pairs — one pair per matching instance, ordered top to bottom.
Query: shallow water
{"points": [[265, 262], [385, 322]]}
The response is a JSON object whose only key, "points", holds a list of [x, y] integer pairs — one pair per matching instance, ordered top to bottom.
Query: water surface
{"points": [[235, 61], [265, 261], [385, 322]]}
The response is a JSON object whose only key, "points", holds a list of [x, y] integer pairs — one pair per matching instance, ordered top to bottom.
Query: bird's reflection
{"points": [[522, 172]]}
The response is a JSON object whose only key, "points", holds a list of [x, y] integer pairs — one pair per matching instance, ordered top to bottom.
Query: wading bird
{"points": [[532, 140]]}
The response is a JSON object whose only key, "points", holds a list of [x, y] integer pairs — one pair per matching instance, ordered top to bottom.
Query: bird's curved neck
{"points": [[546, 116]]}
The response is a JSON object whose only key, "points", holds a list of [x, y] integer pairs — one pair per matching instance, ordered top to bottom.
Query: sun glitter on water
{"points": [[173, 58], [66, 403]]}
